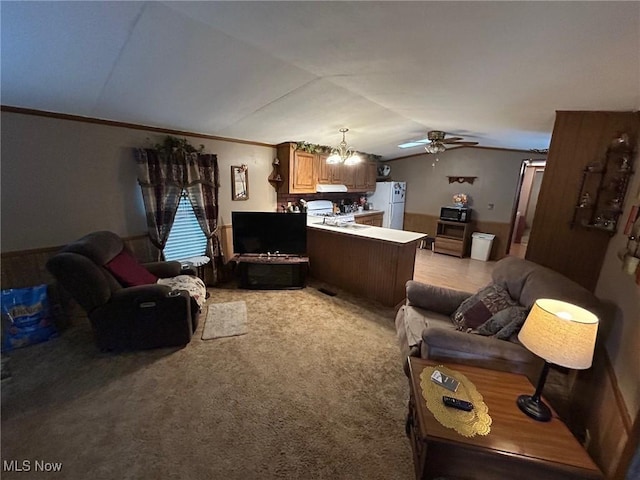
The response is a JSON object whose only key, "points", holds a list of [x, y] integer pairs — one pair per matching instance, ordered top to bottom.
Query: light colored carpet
{"points": [[228, 319], [315, 391]]}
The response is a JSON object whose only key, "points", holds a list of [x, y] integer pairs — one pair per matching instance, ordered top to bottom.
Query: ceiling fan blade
{"points": [[451, 139], [467, 144]]}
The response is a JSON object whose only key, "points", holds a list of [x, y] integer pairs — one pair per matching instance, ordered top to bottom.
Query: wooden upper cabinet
{"points": [[298, 168], [304, 170], [328, 173], [303, 174], [348, 175], [371, 176], [365, 177]]}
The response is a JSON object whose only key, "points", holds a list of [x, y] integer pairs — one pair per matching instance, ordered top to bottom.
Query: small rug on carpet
{"points": [[225, 320]]}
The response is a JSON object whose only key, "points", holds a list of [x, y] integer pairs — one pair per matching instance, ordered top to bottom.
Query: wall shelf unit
{"points": [[275, 179], [603, 188]]}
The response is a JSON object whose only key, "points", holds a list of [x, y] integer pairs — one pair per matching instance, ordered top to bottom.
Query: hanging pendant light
{"points": [[343, 153]]}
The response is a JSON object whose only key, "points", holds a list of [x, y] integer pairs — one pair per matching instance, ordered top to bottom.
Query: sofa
{"points": [[126, 306], [428, 323]]}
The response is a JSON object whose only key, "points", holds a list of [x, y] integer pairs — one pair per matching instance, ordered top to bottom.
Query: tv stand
{"points": [[271, 271]]}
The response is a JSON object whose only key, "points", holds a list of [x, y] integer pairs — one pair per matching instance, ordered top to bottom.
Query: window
{"points": [[186, 238]]}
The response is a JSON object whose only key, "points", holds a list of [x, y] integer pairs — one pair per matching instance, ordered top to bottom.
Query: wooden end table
{"points": [[517, 446]]}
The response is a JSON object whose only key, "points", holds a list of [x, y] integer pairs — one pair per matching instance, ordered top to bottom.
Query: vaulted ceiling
{"points": [[493, 72]]}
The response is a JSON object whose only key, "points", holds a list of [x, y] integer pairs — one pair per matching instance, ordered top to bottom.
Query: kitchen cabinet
{"points": [[298, 169], [301, 171], [328, 173], [348, 176], [371, 176], [365, 177], [358, 178], [374, 218], [452, 238]]}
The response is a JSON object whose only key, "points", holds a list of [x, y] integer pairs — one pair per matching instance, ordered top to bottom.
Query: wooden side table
{"points": [[516, 447]]}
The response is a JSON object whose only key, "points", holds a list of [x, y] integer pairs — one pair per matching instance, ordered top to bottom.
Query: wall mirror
{"points": [[239, 182]]}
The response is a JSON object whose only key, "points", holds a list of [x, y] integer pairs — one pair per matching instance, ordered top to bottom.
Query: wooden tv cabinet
{"points": [[270, 272]]}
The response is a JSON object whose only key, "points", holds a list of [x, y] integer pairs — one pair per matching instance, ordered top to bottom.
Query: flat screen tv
{"points": [[269, 232]]}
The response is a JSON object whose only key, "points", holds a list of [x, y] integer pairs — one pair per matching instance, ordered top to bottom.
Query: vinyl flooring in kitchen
{"points": [[448, 271]]}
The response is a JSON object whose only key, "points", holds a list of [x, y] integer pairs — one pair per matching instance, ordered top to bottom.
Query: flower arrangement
{"points": [[460, 199]]}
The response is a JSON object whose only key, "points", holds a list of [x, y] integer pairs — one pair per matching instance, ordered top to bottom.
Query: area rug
{"points": [[225, 320]]}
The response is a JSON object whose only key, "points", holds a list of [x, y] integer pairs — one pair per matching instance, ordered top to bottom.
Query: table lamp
{"points": [[559, 333]]}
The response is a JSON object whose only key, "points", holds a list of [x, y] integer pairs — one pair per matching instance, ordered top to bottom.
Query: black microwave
{"points": [[455, 214]]}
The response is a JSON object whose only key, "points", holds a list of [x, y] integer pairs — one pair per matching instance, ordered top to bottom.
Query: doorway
{"points": [[524, 208]]}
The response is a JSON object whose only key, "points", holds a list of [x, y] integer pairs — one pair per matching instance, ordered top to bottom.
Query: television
{"points": [[269, 232]]}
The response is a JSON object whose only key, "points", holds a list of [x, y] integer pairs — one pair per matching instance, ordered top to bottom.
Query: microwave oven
{"points": [[455, 214]]}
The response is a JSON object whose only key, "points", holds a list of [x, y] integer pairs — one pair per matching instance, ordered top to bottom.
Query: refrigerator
{"points": [[389, 197]]}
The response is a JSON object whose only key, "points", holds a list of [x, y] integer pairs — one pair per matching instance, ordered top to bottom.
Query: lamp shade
{"points": [[560, 333]]}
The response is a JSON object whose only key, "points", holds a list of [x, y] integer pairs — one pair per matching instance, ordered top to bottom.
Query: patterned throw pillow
{"points": [[479, 308], [505, 323]]}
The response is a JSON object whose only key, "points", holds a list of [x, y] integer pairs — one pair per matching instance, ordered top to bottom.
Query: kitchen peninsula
{"points": [[372, 262]]}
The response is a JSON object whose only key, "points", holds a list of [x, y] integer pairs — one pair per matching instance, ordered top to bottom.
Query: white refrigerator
{"points": [[389, 197]]}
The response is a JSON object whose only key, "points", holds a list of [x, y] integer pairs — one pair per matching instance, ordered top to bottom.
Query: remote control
{"points": [[456, 403]]}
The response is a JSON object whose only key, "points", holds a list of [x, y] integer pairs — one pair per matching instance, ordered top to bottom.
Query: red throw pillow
{"points": [[128, 270]]}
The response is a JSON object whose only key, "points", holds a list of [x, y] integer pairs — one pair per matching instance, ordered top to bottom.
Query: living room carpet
{"points": [[228, 319], [315, 391]]}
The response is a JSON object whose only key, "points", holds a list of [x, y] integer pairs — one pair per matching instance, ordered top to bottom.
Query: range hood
{"points": [[328, 188]]}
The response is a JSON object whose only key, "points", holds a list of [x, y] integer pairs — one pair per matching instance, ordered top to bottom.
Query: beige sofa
{"points": [[425, 329]]}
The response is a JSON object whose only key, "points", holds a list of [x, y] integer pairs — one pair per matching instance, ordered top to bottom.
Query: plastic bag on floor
{"points": [[26, 317]]}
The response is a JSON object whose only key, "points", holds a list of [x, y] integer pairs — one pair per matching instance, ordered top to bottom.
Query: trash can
{"points": [[481, 245]]}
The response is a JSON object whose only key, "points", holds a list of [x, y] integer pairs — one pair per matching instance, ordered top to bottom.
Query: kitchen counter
{"points": [[367, 212], [368, 231], [372, 262]]}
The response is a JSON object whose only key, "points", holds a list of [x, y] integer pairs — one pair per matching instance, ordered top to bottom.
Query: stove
{"points": [[324, 209]]}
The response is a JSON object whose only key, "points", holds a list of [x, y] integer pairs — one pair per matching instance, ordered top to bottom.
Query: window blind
{"points": [[186, 238]]}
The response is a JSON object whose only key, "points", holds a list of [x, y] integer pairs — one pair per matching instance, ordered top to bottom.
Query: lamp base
{"points": [[534, 407]]}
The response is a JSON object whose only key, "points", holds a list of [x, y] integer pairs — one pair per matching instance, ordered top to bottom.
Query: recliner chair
{"points": [[124, 318]]}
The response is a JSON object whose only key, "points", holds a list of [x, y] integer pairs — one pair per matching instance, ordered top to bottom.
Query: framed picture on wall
{"points": [[239, 182]]}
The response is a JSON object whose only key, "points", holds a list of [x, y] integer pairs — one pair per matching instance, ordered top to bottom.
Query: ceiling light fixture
{"points": [[436, 144], [435, 147], [343, 153]]}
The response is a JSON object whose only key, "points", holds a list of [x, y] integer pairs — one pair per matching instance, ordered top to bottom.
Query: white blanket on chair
{"points": [[191, 284]]}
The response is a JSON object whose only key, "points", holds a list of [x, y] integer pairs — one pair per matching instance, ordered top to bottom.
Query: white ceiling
{"points": [[493, 72]]}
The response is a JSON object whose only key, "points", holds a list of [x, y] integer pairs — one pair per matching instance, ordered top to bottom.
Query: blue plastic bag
{"points": [[26, 317]]}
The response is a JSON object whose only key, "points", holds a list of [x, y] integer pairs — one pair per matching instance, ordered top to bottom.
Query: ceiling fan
{"points": [[438, 142]]}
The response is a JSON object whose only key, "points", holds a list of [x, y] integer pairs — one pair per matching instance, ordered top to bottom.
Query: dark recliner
{"points": [[124, 318]]}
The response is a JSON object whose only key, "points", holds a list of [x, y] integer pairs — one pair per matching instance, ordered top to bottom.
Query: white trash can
{"points": [[481, 245]]}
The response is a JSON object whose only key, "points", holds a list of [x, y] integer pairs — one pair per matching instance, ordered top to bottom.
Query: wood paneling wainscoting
{"points": [[424, 223], [226, 240], [27, 268], [599, 417]]}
